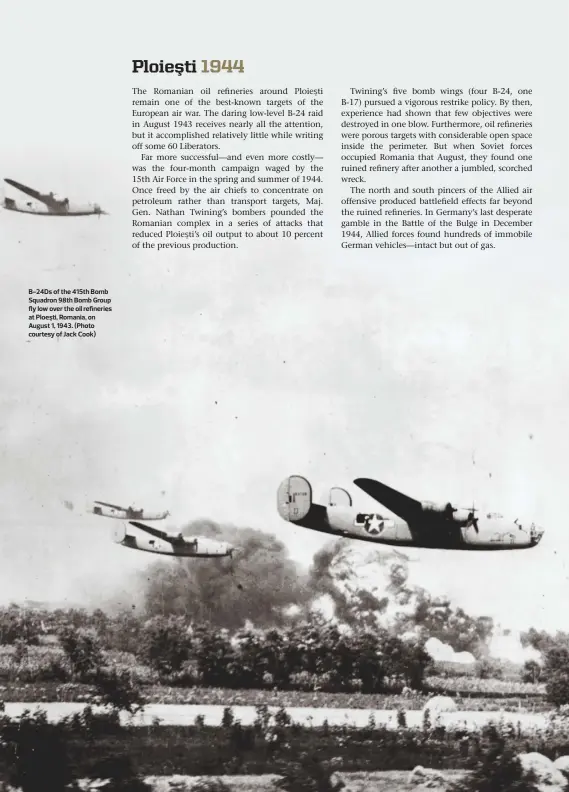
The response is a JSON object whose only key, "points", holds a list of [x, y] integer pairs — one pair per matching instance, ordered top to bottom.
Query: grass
{"points": [[36, 675], [498, 688], [161, 694], [170, 750], [202, 750], [387, 781], [238, 783]]}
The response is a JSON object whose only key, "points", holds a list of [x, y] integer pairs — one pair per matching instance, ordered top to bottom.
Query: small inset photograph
{"points": [[30, 201]]}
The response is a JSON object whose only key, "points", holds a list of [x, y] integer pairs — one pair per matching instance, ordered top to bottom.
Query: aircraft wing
{"points": [[27, 190], [111, 505], [402, 505], [152, 531], [175, 541]]}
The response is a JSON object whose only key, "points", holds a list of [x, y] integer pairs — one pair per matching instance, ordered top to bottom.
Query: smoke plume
{"points": [[352, 583], [259, 584], [355, 584], [369, 586]]}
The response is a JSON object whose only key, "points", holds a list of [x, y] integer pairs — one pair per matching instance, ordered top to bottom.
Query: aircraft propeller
{"points": [[472, 519]]}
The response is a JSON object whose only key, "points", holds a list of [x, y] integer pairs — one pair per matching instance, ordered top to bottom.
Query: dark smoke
{"points": [[259, 584], [264, 586], [362, 607], [356, 610]]}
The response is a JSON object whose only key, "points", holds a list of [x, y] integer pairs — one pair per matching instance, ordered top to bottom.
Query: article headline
{"points": [[215, 66]]}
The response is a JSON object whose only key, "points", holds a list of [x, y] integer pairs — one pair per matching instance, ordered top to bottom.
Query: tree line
{"points": [[306, 655]]}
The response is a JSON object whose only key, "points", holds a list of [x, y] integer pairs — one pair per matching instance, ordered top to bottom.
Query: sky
{"points": [[216, 376]]}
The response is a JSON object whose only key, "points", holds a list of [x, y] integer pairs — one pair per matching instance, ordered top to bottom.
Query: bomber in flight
{"points": [[47, 205], [102, 509], [420, 524], [173, 544]]}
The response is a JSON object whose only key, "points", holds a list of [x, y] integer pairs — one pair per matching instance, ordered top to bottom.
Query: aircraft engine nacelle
{"points": [[294, 498], [438, 508], [448, 510], [144, 515], [463, 515], [175, 536]]}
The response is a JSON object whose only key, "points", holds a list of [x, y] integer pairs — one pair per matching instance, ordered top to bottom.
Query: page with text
{"points": [[284, 395]]}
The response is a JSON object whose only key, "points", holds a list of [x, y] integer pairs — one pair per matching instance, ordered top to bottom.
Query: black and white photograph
{"points": [[284, 397]]}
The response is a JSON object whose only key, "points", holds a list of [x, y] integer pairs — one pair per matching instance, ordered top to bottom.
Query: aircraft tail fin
{"points": [[294, 499], [295, 505], [118, 533]]}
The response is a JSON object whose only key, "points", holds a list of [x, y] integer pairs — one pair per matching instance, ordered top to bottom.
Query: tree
{"points": [[19, 624], [123, 631], [544, 641], [165, 644], [83, 652], [215, 657], [251, 659], [556, 660], [404, 662], [369, 665], [489, 668], [531, 671], [556, 675], [113, 688], [557, 688], [117, 689], [34, 752], [498, 770], [308, 773], [121, 775]]}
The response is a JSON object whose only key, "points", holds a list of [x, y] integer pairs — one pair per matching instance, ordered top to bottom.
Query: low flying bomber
{"points": [[48, 205], [102, 509], [420, 524], [173, 544]]}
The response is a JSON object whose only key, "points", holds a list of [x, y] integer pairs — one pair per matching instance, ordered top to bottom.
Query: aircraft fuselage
{"points": [[47, 205], [127, 514], [428, 529], [494, 532], [188, 547]]}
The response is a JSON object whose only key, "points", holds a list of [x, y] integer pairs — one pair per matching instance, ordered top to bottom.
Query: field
{"points": [[39, 675], [156, 694], [239, 706], [268, 748], [388, 781]]}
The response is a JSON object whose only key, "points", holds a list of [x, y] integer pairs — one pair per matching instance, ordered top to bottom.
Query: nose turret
{"points": [[536, 533]]}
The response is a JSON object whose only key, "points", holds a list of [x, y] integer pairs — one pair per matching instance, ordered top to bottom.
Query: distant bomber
{"points": [[48, 204], [102, 509], [421, 524], [156, 540], [173, 544]]}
